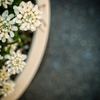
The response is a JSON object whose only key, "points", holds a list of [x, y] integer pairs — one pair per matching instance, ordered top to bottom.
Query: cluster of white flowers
{"points": [[5, 3], [25, 17], [7, 26], [15, 63], [4, 75], [6, 84], [7, 87]]}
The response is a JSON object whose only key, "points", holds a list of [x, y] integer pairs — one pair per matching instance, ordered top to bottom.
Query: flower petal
{"points": [[5, 14], [10, 17], [37, 23], [14, 28], [33, 28], [11, 33]]}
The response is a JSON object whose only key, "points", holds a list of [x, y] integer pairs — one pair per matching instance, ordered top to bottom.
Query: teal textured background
{"points": [[70, 69]]}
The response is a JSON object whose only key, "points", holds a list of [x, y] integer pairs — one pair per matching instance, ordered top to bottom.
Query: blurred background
{"points": [[70, 69]]}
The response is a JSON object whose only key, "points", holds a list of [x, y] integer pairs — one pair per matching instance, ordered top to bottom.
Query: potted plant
{"points": [[36, 50]]}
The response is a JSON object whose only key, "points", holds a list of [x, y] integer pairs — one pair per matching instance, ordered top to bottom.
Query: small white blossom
{"points": [[5, 3], [27, 16], [7, 26], [11, 46], [1, 57], [15, 63], [4, 75], [7, 87]]}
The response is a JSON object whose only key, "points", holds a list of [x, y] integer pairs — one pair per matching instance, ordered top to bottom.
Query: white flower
{"points": [[5, 3], [27, 16], [7, 26], [11, 46], [15, 63], [4, 75], [7, 87]]}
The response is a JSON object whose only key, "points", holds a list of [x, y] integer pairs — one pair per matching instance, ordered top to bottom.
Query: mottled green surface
{"points": [[70, 69]]}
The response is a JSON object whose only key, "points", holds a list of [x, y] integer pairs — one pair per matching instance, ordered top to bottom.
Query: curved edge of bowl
{"points": [[36, 53]]}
